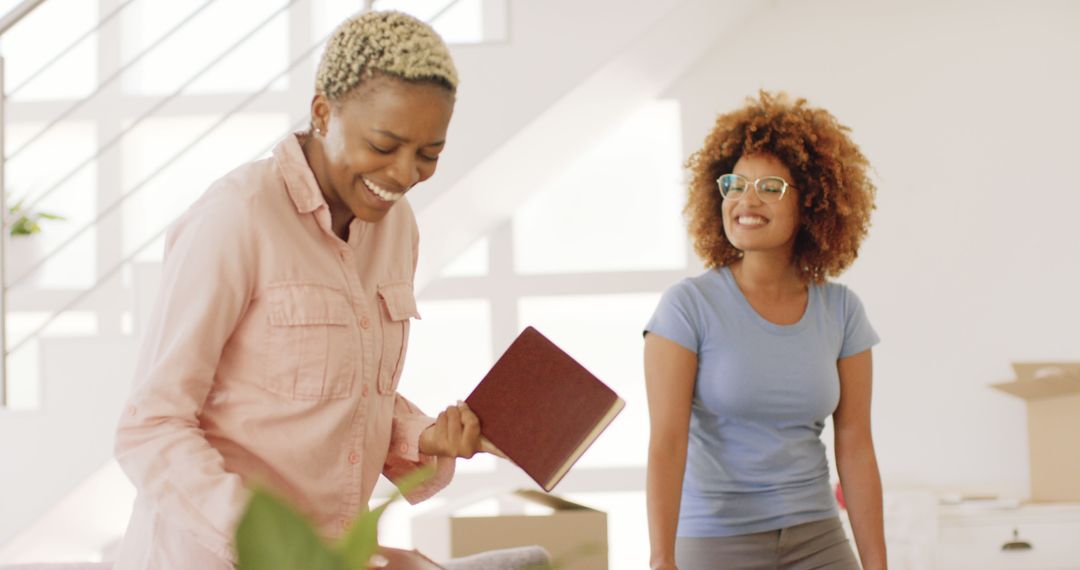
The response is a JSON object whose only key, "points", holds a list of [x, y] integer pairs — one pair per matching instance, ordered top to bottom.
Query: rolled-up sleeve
{"points": [[207, 283], [405, 457]]}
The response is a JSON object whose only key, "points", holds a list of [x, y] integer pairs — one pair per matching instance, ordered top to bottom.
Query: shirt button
{"points": [[365, 322], [364, 391], [131, 410], [403, 447], [354, 457], [344, 522]]}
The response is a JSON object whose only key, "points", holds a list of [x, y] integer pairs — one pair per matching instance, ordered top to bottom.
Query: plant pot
{"points": [[20, 254]]}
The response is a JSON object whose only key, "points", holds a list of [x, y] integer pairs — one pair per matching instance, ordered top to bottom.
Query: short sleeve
{"points": [[674, 318], [859, 335]]}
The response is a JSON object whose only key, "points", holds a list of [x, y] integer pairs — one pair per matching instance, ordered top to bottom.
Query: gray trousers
{"points": [[818, 544]]}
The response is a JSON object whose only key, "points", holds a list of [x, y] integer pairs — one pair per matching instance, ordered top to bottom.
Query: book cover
{"points": [[541, 407]]}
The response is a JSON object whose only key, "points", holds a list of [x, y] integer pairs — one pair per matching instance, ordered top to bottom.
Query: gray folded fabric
{"points": [[521, 558]]}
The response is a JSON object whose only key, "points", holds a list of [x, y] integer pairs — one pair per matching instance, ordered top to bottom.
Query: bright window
{"points": [[209, 33], [39, 38], [49, 170], [159, 196], [449, 352]]}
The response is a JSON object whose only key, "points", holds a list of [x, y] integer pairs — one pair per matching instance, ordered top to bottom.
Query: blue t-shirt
{"points": [[755, 460]]}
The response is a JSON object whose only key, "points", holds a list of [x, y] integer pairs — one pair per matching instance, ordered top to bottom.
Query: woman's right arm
{"points": [[205, 287], [670, 371]]}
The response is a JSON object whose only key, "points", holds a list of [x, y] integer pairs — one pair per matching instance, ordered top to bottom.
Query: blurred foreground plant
{"points": [[272, 535]]}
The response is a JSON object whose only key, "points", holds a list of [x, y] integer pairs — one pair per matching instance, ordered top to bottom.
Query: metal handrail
{"points": [[116, 11], [17, 13], [10, 19], [105, 82], [160, 104], [162, 167], [116, 203], [3, 250], [127, 259], [109, 273]]}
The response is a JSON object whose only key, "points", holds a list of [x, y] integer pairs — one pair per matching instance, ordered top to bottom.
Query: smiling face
{"points": [[378, 142], [753, 225]]}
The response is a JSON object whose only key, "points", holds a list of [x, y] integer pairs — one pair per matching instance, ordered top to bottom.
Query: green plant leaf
{"points": [[16, 207], [26, 221], [22, 227], [272, 536], [362, 541]]}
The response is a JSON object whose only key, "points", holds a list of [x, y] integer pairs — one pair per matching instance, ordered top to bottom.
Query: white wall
{"points": [[968, 111]]}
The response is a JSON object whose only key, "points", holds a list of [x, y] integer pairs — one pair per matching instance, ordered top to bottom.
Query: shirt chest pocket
{"points": [[397, 305], [311, 342]]}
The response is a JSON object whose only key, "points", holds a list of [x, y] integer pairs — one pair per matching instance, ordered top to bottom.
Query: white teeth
{"points": [[382, 192], [751, 220]]}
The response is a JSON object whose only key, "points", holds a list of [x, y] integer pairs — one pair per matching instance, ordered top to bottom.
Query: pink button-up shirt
{"points": [[272, 358]]}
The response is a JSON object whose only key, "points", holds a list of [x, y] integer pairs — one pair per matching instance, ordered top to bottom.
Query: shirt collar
{"points": [[299, 179]]}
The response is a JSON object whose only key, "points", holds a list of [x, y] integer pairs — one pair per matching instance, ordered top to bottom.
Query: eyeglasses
{"points": [[769, 189]]}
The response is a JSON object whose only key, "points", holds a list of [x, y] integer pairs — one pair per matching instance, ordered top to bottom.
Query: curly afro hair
{"points": [[829, 170]]}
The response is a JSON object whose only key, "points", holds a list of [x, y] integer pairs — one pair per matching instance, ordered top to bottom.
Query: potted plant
{"points": [[26, 222], [24, 247]]}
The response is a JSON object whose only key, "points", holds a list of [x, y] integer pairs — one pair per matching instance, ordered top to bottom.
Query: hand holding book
{"points": [[540, 408], [456, 433]]}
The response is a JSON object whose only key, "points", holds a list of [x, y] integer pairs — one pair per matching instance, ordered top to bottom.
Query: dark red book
{"points": [[541, 407]]}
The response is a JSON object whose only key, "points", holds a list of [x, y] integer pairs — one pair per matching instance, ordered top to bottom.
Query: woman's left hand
{"points": [[456, 433]]}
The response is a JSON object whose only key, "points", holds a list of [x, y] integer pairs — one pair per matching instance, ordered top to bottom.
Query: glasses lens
{"points": [[732, 186], [771, 188]]}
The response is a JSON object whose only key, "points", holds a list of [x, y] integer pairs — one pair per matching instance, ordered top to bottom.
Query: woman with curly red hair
{"points": [[744, 363]]}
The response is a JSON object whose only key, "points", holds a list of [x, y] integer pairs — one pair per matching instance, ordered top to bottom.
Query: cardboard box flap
{"points": [[1040, 370], [1047, 387], [556, 503], [573, 534]]}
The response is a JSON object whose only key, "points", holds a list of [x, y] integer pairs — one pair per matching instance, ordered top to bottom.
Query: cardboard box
{"points": [[1052, 393], [574, 535]]}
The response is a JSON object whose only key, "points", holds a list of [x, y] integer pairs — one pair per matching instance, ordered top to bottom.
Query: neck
{"points": [[340, 214], [339, 222], [768, 272]]}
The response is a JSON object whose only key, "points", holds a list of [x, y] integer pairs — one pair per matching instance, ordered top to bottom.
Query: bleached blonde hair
{"points": [[385, 42]]}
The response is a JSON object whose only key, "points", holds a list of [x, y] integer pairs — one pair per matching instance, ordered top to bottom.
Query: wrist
{"points": [[424, 444], [662, 563], [875, 565]]}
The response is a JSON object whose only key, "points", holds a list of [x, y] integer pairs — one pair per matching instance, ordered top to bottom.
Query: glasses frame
{"points": [[757, 190]]}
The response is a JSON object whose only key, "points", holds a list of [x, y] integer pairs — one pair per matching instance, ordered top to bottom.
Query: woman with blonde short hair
{"points": [[274, 354]]}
